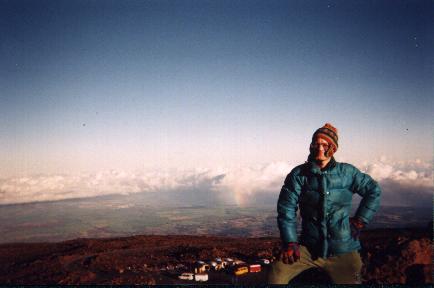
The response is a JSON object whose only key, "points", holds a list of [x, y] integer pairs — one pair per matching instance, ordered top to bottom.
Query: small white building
{"points": [[264, 261], [238, 262], [213, 265], [201, 267], [186, 276], [201, 277]]}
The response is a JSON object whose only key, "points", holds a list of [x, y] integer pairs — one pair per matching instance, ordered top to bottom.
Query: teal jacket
{"points": [[324, 198]]}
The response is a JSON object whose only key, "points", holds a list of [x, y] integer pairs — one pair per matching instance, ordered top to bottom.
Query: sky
{"points": [[93, 89]]}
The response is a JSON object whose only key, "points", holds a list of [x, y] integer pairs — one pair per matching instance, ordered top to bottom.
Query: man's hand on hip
{"points": [[356, 226], [290, 253]]}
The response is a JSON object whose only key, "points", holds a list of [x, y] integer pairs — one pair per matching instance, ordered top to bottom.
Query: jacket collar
{"points": [[314, 168]]}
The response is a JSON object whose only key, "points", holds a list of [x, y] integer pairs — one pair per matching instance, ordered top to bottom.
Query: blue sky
{"points": [[97, 85]]}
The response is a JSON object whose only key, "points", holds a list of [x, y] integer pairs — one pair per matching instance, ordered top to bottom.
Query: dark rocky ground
{"points": [[389, 255]]}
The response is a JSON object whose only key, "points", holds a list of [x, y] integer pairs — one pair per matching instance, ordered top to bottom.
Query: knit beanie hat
{"points": [[330, 134]]}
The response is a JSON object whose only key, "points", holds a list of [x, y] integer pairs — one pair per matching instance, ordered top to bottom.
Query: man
{"points": [[323, 188]]}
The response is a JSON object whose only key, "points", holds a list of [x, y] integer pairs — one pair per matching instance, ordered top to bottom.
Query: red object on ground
{"points": [[255, 268]]}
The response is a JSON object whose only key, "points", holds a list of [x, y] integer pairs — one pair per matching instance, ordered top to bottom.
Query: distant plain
{"points": [[138, 214]]}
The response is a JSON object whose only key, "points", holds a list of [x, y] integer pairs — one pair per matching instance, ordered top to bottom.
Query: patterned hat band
{"points": [[328, 133]]}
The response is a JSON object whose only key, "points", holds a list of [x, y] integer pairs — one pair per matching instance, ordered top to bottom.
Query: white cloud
{"points": [[415, 172], [400, 181], [403, 183]]}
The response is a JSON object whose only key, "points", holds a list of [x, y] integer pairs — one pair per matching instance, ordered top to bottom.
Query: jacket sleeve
{"points": [[370, 191], [287, 207]]}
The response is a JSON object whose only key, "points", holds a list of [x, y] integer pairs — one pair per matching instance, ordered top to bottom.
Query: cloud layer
{"points": [[403, 184]]}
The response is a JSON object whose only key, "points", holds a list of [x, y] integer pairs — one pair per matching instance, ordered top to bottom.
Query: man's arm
{"points": [[370, 191], [287, 207]]}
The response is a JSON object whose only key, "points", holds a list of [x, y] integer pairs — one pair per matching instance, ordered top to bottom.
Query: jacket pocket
{"points": [[341, 197], [340, 230]]}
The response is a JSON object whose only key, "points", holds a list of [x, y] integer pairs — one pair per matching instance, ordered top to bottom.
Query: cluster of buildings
{"points": [[237, 267]]}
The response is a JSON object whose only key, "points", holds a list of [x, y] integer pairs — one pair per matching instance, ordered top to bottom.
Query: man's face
{"points": [[320, 147]]}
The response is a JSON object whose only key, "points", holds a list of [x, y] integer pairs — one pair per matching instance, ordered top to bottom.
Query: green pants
{"points": [[343, 269]]}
